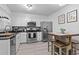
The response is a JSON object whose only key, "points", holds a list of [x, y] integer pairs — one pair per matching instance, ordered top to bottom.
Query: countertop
{"points": [[10, 34], [65, 34], [6, 35]]}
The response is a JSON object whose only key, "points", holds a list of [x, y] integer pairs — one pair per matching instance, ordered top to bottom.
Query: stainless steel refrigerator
{"points": [[46, 27]]}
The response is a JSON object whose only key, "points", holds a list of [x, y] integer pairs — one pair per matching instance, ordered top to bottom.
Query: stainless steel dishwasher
{"points": [[13, 45]]}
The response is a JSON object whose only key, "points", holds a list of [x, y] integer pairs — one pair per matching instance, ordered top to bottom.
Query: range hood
{"points": [[31, 24], [31, 27]]}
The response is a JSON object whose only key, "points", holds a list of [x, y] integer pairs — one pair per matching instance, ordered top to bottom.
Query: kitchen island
{"points": [[7, 43]]}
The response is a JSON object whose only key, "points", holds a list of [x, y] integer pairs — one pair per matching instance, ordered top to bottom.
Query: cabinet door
{"points": [[38, 23], [40, 33], [39, 36], [23, 37], [18, 38], [17, 41], [5, 47]]}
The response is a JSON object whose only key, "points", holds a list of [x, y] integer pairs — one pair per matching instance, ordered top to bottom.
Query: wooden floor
{"points": [[39, 48]]}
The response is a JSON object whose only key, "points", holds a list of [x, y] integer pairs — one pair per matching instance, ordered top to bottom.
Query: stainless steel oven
{"points": [[31, 32], [31, 37]]}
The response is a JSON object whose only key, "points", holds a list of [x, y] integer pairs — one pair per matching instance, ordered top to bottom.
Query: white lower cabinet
{"points": [[39, 36], [23, 37], [20, 38], [17, 41], [5, 47]]}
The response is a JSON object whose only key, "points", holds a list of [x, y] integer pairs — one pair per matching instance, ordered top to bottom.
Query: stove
{"points": [[31, 32]]}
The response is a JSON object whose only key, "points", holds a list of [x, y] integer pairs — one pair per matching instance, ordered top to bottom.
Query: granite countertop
{"points": [[6, 35]]}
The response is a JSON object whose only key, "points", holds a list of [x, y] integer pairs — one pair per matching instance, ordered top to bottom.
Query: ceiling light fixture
{"points": [[28, 6]]}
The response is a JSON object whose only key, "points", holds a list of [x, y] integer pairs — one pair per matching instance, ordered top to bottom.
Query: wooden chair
{"points": [[62, 45], [75, 47]]}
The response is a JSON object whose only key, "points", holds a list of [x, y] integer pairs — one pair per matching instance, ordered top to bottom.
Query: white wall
{"points": [[4, 11], [22, 19], [70, 27]]}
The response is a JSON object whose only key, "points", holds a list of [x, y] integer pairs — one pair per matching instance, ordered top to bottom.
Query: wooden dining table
{"points": [[55, 34]]}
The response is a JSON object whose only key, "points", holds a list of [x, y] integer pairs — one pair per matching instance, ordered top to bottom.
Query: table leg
{"points": [[48, 46], [52, 48]]}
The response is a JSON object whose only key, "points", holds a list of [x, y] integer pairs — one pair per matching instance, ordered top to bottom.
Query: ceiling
{"points": [[39, 9]]}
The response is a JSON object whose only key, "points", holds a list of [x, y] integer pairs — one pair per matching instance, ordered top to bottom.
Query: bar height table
{"points": [[57, 34]]}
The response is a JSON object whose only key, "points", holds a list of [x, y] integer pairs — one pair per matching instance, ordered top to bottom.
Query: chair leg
{"points": [[48, 46], [52, 49], [75, 50], [60, 51]]}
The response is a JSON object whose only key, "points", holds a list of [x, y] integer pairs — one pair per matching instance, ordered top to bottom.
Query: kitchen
{"points": [[25, 27]]}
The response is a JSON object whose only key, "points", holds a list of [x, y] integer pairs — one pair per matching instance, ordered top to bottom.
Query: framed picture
{"points": [[72, 16], [61, 19]]}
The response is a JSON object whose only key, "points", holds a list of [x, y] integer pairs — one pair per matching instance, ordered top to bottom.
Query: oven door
{"points": [[32, 35]]}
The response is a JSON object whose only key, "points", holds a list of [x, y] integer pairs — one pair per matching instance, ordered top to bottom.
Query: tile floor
{"points": [[39, 48]]}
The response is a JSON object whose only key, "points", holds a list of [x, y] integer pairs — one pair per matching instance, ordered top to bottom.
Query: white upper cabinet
{"points": [[37, 23]]}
